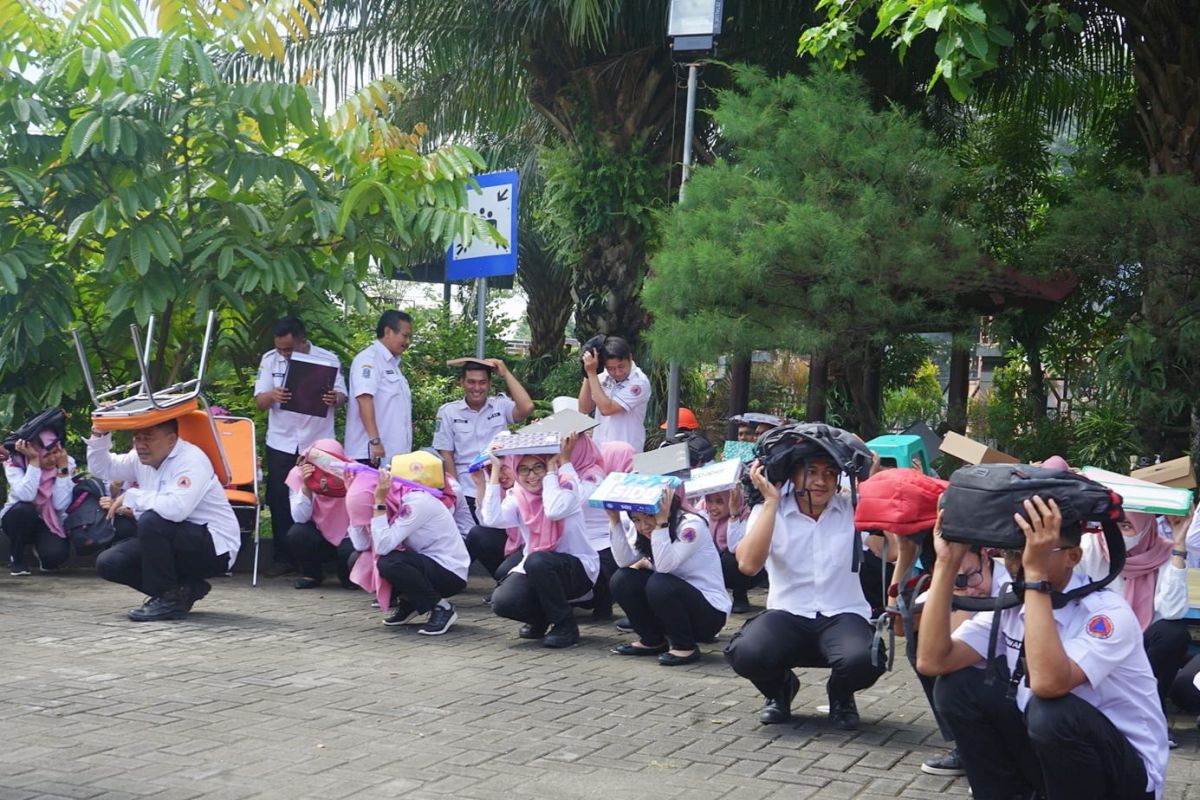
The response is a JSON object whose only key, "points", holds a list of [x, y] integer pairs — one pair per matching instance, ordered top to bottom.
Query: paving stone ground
{"points": [[269, 692]]}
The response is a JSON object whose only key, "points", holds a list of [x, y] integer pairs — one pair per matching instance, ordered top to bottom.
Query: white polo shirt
{"points": [[375, 371], [633, 395], [288, 431], [467, 432], [184, 488], [424, 526], [692, 556], [810, 560], [1101, 634]]}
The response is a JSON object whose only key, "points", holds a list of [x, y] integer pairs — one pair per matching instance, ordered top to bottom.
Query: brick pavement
{"points": [[273, 693]]}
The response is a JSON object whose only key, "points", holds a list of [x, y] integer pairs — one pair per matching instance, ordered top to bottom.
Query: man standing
{"points": [[619, 395], [379, 420], [466, 427], [288, 432], [186, 529]]}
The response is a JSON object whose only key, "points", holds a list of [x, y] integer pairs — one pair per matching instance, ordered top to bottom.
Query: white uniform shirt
{"points": [[375, 371], [629, 425], [288, 431], [466, 432], [23, 486], [184, 488], [560, 503], [594, 519], [424, 526], [735, 531], [692, 557], [810, 560], [1170, 590], [1101, 634]]}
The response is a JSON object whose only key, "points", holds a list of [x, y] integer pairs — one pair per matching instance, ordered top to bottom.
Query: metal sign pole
{"points": [[689, 131], [480, 314]]}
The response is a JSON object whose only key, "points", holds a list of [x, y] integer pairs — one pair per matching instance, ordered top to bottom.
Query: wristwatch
{"points": [[375, 441], [63, 472], [381, 506], [1180, 553], [1037, 586]]}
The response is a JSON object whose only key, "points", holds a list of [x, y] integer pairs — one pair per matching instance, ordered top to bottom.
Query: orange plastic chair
{"points": [[239, 441]]}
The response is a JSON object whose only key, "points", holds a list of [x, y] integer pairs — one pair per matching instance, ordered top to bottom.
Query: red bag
{"points": [[900, 501]]}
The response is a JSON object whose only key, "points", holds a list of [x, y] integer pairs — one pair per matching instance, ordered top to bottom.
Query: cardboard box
{"points": [[564, 422], [973, 452], [670, 460], [1177, 473], [719, 476], [627, 491]]}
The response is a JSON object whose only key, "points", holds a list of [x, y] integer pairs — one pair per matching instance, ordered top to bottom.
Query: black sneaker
{"points": [[19, 570], [193, 593], [741, 604], [165, 606], [402, 614], [440, 620], [623, 625], [531, 631], [562, 634], [779, 708], [843, 714], [948, 764]]}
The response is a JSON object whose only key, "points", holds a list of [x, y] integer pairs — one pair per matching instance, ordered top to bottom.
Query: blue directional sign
{"points": [[495, 202]]}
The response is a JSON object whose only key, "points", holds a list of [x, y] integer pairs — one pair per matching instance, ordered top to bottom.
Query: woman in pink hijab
{"points": [[39, 490], [727, 515], [319, 530], [498, 550], [560, 564], [1154, 581]]}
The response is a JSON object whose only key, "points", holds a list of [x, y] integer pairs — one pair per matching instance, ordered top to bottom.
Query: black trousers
{"points": [[279, 464], [24, 526], [486, 545], [312, 551], [162, 557], [510, 561], [871, 574], [419, 578], [735, 581], [539, 595], [602, 595], [665, 607], [1166, 642], [767, 647], [1183, 690], [1064, 748]]}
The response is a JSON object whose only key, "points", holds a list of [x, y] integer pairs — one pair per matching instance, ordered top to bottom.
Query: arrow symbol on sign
{"points": [[502, 195]]}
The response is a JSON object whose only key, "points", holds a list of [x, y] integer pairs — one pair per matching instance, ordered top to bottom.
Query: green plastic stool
{"points": [[899, 450]]}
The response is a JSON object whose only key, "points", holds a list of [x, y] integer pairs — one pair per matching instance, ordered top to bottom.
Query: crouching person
{"points": [[39, 477], [319, 519], [186, 529], [420, 551], [669, 582], [1075, 712]]}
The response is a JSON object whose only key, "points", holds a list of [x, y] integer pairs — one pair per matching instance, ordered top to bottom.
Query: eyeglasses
{"points": [[537, 471], [969, 580]]}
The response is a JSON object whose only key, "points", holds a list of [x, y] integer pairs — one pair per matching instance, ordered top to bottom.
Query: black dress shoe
{"points": [[306, 582], [193, 593], [741, 605], [165, 606], [531, 631], [562, 634], [631, 649], [671, 660], [779, 708], [843, 714]]}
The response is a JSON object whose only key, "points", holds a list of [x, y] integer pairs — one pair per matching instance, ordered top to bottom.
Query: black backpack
{"points": [[51, 419], [700, 450], [87, 524]]}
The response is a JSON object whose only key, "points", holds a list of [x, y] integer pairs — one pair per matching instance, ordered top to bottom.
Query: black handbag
{"points": [[53, 419], [87, 524]]}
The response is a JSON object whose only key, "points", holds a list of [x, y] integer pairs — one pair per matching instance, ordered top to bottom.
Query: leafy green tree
{"points": [[136, 179], [828, 228]]}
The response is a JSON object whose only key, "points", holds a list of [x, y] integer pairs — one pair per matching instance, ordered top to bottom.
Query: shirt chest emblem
{"points": [[1100, 627]]}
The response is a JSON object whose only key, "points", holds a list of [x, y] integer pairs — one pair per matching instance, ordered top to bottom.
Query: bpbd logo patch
{"points": [[1100, 627]]}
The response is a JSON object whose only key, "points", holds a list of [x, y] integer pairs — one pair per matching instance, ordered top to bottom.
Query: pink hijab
{"points": [[617, 456], [588, 460], [44, 501], [329, 513], [720, 529], [544, 533], [1142, 563]]}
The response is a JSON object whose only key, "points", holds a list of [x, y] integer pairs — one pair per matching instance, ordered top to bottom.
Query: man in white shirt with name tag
{"points": [[619, 395], [379, 417], [466, 427], [289, 433], [186, 529], [803, 533], [1077, 715]]}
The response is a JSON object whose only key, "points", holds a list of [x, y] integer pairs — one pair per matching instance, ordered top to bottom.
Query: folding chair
{"points": [[240, 444]]}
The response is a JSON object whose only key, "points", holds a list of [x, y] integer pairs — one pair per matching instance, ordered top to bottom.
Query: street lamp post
{"points": [[692, 28]]}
